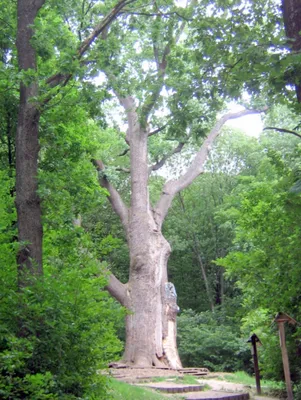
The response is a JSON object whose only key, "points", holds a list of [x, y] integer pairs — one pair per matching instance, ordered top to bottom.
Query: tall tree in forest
{"points": [[157, 56], [30, 232], [150, 327]]}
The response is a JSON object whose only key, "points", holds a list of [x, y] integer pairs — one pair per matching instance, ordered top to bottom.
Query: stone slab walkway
{"points": [[213, 395]]}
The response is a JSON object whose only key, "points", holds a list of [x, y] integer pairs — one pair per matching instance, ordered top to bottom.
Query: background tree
{"points": [[32, 100], [265, 210], [207, 238]]}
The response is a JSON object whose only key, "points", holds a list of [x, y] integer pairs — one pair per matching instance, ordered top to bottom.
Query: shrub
{"points": [[55, 334], [211, 340]]}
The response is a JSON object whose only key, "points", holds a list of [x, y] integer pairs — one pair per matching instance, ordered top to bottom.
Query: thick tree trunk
{"points": [[291, 10], [30, 234], [151, 299]]}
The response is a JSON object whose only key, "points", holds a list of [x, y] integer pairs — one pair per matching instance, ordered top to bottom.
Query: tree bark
{"points": [[291, 10], [30, 231], [150, 299], [151, 324]]}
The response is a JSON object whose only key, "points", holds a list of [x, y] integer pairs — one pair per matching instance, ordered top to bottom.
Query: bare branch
{"points": [[155, 14], [103, 25], [62, 79], [157, 130], [283, 130], [124, 153], [160, 163], [126, 170], [172, 187], [114, 197], [117, 289]]}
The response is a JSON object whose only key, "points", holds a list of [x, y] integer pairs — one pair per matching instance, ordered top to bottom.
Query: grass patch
{"points": [[185, 379], [245, 379], [124, 391]]}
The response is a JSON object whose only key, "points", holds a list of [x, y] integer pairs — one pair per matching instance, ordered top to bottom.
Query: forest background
{"points": [[234, 232]]}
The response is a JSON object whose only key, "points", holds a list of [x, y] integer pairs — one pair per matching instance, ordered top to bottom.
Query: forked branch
{"points": [[154, 132], [172, 187]]}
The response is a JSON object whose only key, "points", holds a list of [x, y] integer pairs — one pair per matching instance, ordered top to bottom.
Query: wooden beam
{"points": [[285, 361]]}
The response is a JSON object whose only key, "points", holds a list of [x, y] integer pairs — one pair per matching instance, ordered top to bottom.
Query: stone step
{"points": [[194, 371], [171, 387], [213, 395]]}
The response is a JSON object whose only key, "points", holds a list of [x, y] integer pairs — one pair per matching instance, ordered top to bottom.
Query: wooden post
{"points": [[281, 318], [254, 340], [285, 361]]}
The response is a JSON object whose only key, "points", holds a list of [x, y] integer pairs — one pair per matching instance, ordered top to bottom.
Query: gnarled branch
{"points": [[283, 130], [172, 187]]}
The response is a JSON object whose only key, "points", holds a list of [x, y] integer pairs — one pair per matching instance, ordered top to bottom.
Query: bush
{"points": [[55, 334], [211, 340]]}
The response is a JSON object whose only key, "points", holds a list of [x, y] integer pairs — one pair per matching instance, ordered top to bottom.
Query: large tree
{"points": [[166, 91], [31, 105], [27, 146], [150, 298]]}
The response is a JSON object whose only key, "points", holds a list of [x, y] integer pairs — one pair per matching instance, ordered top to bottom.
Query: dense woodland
{"points": [[115, 157]]}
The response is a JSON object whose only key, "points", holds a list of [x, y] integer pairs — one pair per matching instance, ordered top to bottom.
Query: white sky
{"points": [[251, 124]]}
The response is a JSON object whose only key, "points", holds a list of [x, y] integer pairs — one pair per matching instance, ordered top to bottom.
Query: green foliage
{"points": [[209, 235], [267, 237], [265, 256], [56, 334], [211, 340], [245, 379]]}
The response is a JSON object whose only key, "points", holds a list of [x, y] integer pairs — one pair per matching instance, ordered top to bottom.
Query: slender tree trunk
{"points": [[30, 232], [197, 252]]}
